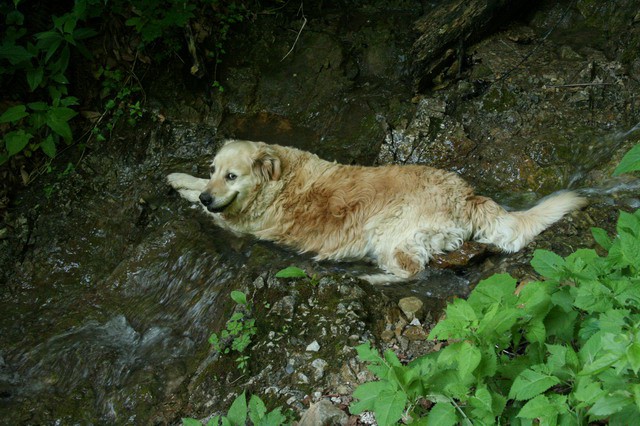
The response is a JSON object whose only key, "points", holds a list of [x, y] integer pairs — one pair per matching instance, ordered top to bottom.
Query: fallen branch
{"points": [[304, 22]]}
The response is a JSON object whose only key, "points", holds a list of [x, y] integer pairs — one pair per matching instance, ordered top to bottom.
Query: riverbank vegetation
{"points": [[561, 350]]}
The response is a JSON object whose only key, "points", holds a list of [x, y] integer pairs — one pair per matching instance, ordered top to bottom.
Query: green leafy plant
{"points": [[42, 60], [38, 120], [43, 123], [295, 272], [239, 331], [565, 350], [240, 412]]}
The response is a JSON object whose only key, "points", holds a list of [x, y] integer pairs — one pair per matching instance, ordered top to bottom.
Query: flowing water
{"points": [[116, 282], [118, 348]]}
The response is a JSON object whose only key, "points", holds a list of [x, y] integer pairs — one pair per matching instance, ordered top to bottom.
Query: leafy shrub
{"points": [[42, 58], [34, 64], [239, 331], [565, 350], [256, 411]]}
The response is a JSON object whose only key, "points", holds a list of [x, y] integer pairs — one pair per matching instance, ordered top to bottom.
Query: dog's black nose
{"points": [[206, 199]]}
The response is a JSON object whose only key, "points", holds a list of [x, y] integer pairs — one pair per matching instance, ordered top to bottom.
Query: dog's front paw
{"points": [[179, 180]]}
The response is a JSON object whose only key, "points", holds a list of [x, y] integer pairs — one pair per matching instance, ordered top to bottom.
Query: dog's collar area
{"points": [[222, 207]]}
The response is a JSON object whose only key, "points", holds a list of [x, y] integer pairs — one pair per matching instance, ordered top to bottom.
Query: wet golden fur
{"points": [[397, 216]]}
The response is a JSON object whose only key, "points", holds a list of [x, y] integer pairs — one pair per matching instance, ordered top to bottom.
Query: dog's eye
{"points": [[212, 169], [231, 176]]}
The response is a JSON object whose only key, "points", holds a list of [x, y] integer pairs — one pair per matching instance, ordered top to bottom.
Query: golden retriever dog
{"points": [[397, 216]]}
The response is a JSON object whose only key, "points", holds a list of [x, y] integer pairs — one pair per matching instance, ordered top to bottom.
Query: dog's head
{"points": [[238, 172]]}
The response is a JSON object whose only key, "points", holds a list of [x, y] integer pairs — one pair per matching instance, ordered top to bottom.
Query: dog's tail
{"points": [[513, 230]]}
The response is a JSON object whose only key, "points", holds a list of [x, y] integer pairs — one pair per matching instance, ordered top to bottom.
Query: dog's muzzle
{"points": [[209, 202]]}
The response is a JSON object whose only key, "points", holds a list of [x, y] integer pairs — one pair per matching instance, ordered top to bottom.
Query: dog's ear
{"points": [[266, 164]]}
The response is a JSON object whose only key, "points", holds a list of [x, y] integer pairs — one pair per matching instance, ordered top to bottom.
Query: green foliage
{"points": [[42, 60], [39, 120], [630, 162], [291, 272], [295, 272], [239, 331], [565, 350], [240, 412]]}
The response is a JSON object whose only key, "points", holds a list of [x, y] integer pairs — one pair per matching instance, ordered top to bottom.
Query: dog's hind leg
{"points": [[406, 260], [399, 264]]}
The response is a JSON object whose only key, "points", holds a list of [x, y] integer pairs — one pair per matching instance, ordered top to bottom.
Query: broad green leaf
{"points": [[14, 18], [84, 33], [14, 54], [34, 78], [38, 106], [62, 113], [13, 114], [60, 127], [16, 141], [48, 146], [630, 162], [628, 222], [602, 238], [630, 248], [548, 264], [583, 264], [291, 272], [498, 288], [592, 296], [239, 297], [535, 299], [614, 320], [460, 322], [561, 323], [536, 332], [367, 354], [633, 356], [391, 357], [557, 357], [468, 359], [488, 363], [601, 363], [530, 383], [586, 390], [636, 393], [367, 395], [609, 404], [483, 406], [539, 406], [389, 407], [257, 409], [237, 414], [442, 414], [274, 418], [187, 421], [214, 421]]}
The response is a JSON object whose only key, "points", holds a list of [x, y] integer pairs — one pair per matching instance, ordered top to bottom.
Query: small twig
{"points": [[304, 22], [538, 46], [559, 86]]}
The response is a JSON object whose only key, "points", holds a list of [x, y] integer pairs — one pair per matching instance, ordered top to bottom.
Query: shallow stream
{"points": [[115, 284]]}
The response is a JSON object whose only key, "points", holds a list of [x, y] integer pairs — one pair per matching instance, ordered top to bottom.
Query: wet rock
{"points": [[445, 29], [470, 251], [411, 307], [415, 332], [313, 347], [319, 366], [323, 413]]}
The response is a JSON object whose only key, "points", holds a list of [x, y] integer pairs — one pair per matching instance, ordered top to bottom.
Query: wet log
{"points": [[448, 27]]}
